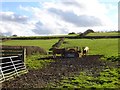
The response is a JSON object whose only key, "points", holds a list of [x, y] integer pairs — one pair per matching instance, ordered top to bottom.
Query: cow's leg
{"points": [[87, 51], [84, 52], [80, 54], [54, 55]]}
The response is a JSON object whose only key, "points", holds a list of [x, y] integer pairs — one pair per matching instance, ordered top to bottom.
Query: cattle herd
{"points": [[70, 52]]}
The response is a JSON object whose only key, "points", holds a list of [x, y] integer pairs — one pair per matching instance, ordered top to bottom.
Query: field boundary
{"points": [[57, 37], [57, 44]]}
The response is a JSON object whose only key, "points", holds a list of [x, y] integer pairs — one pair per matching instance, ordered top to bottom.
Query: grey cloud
{"points": [[73, 3], [13, 18], [80, 21], [40, 28], [63, 30], [6, 33]]}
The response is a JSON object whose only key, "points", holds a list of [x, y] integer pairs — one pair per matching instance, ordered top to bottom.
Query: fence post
{"points": [[24, 54]]}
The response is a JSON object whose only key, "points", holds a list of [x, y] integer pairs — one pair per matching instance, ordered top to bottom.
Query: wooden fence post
{"points": [[24, 54]]}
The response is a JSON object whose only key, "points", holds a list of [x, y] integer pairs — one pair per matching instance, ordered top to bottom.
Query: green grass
{"points": [[103, 34], [46, 44], [107, 47], [34, 61], [107, 79]]}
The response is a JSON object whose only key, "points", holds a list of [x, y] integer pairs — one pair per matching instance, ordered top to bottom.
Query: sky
{"points": [[55, 17]]}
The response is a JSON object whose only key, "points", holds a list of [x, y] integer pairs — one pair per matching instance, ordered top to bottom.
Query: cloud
{"points": [[73, 3], [12, 17], [58, 17], [80, 21], [11, 23], [10, 28], [41, 29], [6, 33]]}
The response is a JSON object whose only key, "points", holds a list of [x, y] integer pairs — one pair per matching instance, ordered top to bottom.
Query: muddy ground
{"points": [[54, 72]]}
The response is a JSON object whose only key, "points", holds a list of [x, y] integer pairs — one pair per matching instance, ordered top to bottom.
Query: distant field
{"points": [[103, 34], [42, 37], [46, 44], [107, 47]]}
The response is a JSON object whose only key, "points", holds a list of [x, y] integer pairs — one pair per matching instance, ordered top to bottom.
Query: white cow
{"points": [[85, 50]]}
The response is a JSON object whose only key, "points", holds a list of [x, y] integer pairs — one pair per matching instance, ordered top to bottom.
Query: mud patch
{"points": [[62, 67]]}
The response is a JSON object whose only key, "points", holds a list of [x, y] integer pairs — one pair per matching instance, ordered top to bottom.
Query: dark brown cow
{"points": [[58, 51], [65, 52]]}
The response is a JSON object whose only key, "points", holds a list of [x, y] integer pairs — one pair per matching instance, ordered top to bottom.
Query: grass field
{"points": [[103, 34], [46, 44], [107, 47], [108, 78]]}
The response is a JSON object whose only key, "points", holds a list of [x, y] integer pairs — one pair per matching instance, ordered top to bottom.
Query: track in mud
{"points": [[56, 70]]}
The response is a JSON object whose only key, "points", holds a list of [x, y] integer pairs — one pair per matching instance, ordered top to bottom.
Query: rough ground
{"points": [[56, 70]]}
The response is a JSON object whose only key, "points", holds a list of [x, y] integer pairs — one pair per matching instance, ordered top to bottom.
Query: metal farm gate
{"points": [[11, 66]]}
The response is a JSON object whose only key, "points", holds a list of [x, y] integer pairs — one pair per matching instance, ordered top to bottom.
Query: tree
{"points": [[89, 31], [71, 33], [14, 35]]}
